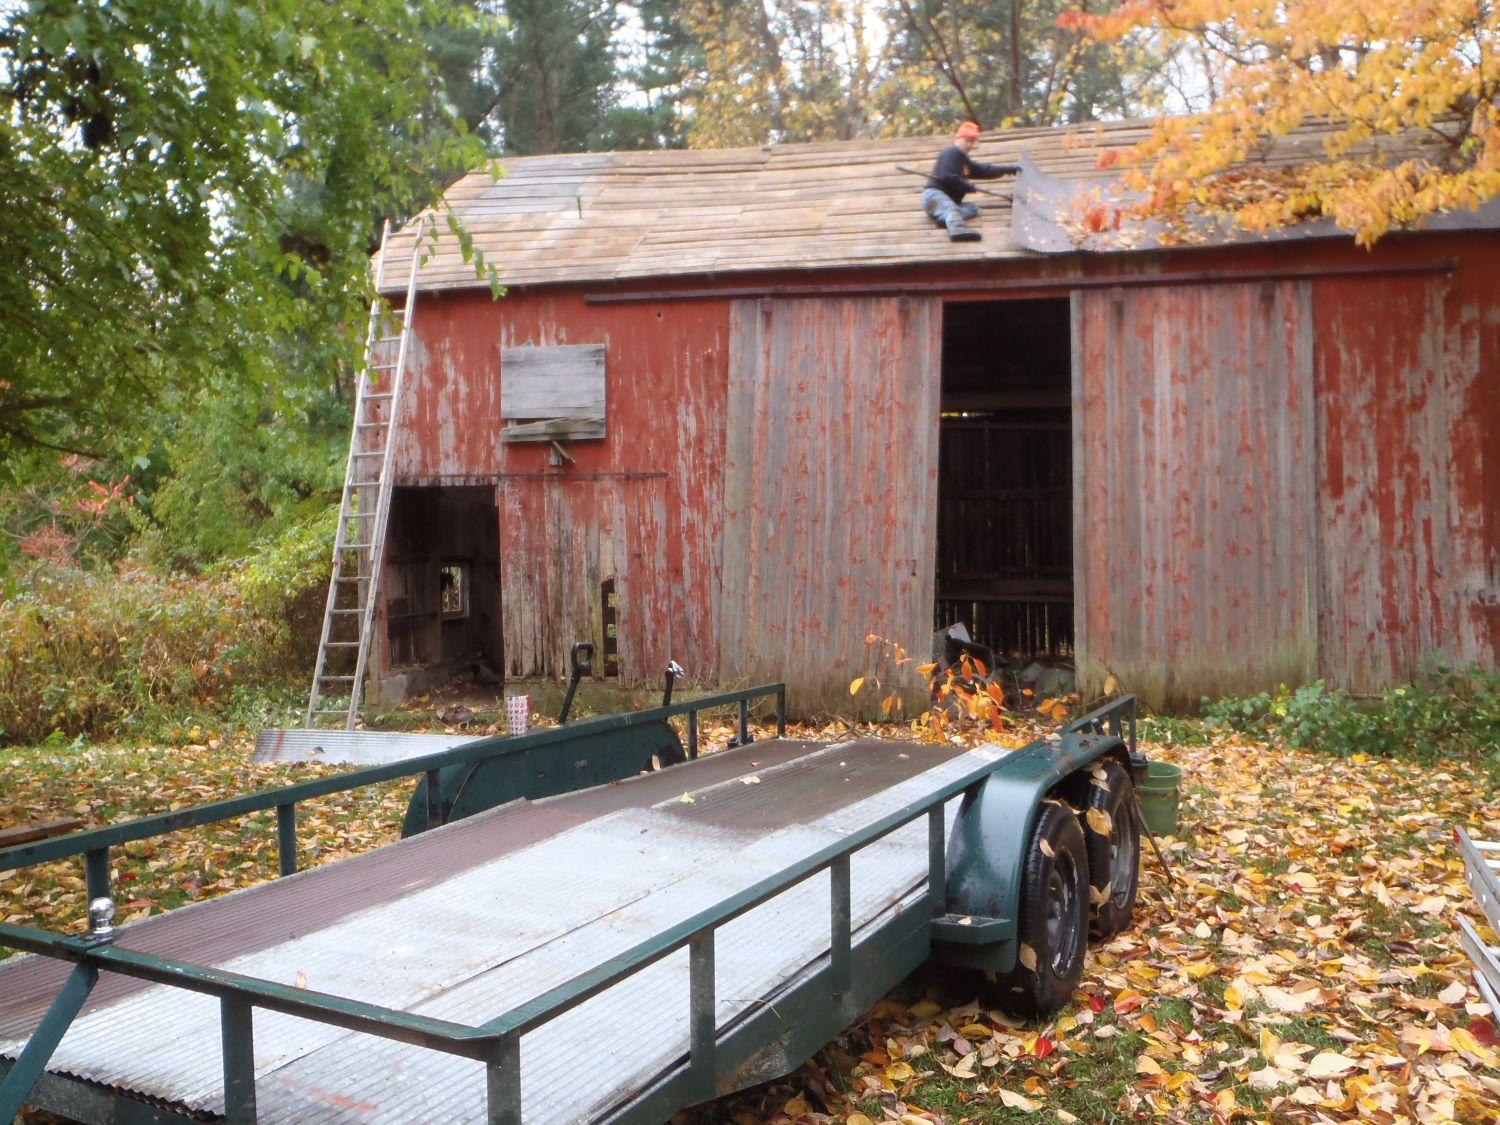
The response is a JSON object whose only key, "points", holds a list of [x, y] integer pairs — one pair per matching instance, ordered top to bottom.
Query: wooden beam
{"points": [[26, 833]]}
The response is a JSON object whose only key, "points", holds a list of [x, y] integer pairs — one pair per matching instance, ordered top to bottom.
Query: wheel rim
{"points": [[1124, 849], [1062, 915]]}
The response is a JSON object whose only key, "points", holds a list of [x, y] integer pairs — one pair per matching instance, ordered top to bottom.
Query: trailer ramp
{"points": [[477, 920]]}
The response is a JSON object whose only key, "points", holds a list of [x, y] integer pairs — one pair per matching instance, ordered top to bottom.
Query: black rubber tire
{"points": [[1112, 841], [1052, 929]]}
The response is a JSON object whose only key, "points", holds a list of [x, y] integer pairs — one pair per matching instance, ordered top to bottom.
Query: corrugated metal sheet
{"points": [[1195, 459], [830, 488], [1406, 500], [637, 506], [471, 944]]}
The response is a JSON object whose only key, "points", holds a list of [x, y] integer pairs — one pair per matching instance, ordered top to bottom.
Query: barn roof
{"points": [[614, 216]]}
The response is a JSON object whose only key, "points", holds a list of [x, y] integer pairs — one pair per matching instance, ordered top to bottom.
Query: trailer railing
{"points": [[94, 845], [496, 1043]]}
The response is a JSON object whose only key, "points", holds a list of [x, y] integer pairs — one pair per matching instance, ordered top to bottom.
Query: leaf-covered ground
{"points": [[1306, 967]]}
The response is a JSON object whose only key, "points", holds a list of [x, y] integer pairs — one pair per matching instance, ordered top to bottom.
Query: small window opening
{"points": [[455, 591]]}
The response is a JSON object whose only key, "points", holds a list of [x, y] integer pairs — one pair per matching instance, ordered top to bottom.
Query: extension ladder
{"points": [[359, 544]]}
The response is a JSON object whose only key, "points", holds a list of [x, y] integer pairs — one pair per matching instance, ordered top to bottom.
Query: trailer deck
{"points": [[480, 918]]}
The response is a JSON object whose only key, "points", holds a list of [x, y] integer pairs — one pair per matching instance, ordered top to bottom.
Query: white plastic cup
{"points": [[517, 713]]}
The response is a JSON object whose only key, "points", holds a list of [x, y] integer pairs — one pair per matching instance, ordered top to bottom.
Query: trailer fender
{"points": [[561, 765], [987, 848]]}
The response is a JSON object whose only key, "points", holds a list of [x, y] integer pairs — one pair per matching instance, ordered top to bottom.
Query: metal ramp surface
{"points": [[471, 921]]}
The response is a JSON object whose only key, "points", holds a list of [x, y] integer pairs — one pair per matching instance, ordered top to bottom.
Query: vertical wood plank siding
{"points": [[1274, 481], [830, 487], [1407, 503], [638, 506], [1195, 556]]}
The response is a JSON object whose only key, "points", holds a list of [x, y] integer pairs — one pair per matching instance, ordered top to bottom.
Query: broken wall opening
{"points": [[1005, 477], [442, 578]]}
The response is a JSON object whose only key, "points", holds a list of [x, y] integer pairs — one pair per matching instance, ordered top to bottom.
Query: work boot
{"points": [[959, 231]]}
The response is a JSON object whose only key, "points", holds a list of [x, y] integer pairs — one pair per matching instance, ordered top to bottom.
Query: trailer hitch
{"points": [[581, 658]]}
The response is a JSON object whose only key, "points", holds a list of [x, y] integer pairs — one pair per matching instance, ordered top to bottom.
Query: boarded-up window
{"points": [[552, 393]]}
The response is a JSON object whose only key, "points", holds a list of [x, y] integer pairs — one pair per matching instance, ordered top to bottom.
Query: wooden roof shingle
{"points": [[603, 217]]}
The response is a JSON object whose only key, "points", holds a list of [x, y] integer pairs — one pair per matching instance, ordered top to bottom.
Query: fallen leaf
{"points": [[1330, 1064], [1017, 1101]]}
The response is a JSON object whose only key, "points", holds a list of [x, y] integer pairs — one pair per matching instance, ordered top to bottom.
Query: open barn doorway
{"points": [[1005, 478], [442, 575]]}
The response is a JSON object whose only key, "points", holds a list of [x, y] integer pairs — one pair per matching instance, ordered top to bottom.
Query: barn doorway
{"points": [[1005, 477], [442, 574]]}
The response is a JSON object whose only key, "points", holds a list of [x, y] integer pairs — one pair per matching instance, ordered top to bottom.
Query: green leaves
{"points": [[190, 191]]}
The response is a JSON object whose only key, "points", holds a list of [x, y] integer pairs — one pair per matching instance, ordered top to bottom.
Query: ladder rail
{"points": [[386, 482], [355, 506]]}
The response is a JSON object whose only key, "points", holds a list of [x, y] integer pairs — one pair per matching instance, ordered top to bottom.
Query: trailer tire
{"points": [[1112, 841], [1052, 930]]}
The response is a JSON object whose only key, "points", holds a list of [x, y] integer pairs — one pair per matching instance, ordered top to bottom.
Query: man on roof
{"points": [[943, 197]]}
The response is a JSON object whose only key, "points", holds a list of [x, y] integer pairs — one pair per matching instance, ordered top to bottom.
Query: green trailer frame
{"points": [[967, 914]]}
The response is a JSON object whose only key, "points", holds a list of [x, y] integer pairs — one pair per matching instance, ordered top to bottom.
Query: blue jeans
{"points": [[939, 207]]}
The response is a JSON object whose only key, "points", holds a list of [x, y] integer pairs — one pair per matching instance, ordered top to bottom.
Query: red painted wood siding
{"points": [[1407, 389], [1195, 465], [830, 489], [639, 506]]}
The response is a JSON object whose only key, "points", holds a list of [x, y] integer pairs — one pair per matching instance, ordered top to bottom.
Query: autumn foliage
{"points": [[1407, 92]]}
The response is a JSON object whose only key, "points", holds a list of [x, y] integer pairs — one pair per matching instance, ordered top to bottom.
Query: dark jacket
{"points": [[952, 169]]}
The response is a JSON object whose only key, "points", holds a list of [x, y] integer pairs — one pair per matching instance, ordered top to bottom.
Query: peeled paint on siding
{"points": [[1407, 423], [1194, 452], [830, 489], [638, 506]]}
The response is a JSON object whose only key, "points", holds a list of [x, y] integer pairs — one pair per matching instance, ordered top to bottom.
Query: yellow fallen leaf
{"points": [[855, 684], [1111, 685], [1099, 821], [1027, 957], [1233, 997], [1289, 1002], [925, 1009], [975, 1031], [1461, 1039], [1145, 1064], [1330, 1064], [899, 1072], [1179, 1080], [1017, 1101], [857, 1119]]}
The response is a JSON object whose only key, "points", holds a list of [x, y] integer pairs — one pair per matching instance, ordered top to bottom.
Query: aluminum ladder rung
{"points": [[378, 338]]}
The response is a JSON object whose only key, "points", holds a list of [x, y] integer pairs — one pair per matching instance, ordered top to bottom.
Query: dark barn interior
{"points": [[1005, 495], [443, 570]]}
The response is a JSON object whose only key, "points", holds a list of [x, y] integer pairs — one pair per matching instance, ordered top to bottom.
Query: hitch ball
{"points": [[101, 918]]}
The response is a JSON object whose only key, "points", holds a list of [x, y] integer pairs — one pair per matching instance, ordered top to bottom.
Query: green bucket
{"points": [[1159, 797]]}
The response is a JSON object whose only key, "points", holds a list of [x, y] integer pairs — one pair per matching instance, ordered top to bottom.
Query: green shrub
{"points": [[285, 581], [109, 651], [1441, 713]]}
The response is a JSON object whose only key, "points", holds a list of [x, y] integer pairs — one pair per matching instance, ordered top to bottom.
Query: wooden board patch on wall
{"points": [[547, 385]]}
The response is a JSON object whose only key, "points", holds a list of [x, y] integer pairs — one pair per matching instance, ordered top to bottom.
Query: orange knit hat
{"points": [[968, 129]]}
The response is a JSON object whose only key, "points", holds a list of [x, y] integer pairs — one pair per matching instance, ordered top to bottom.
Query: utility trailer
{"points": [[569, 933]]}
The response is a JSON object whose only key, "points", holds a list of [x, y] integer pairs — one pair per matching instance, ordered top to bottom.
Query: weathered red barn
{"points": [[742, 408]]}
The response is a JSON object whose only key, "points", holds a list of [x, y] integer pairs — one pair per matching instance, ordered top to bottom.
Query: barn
{"points": [[745, 409]]}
